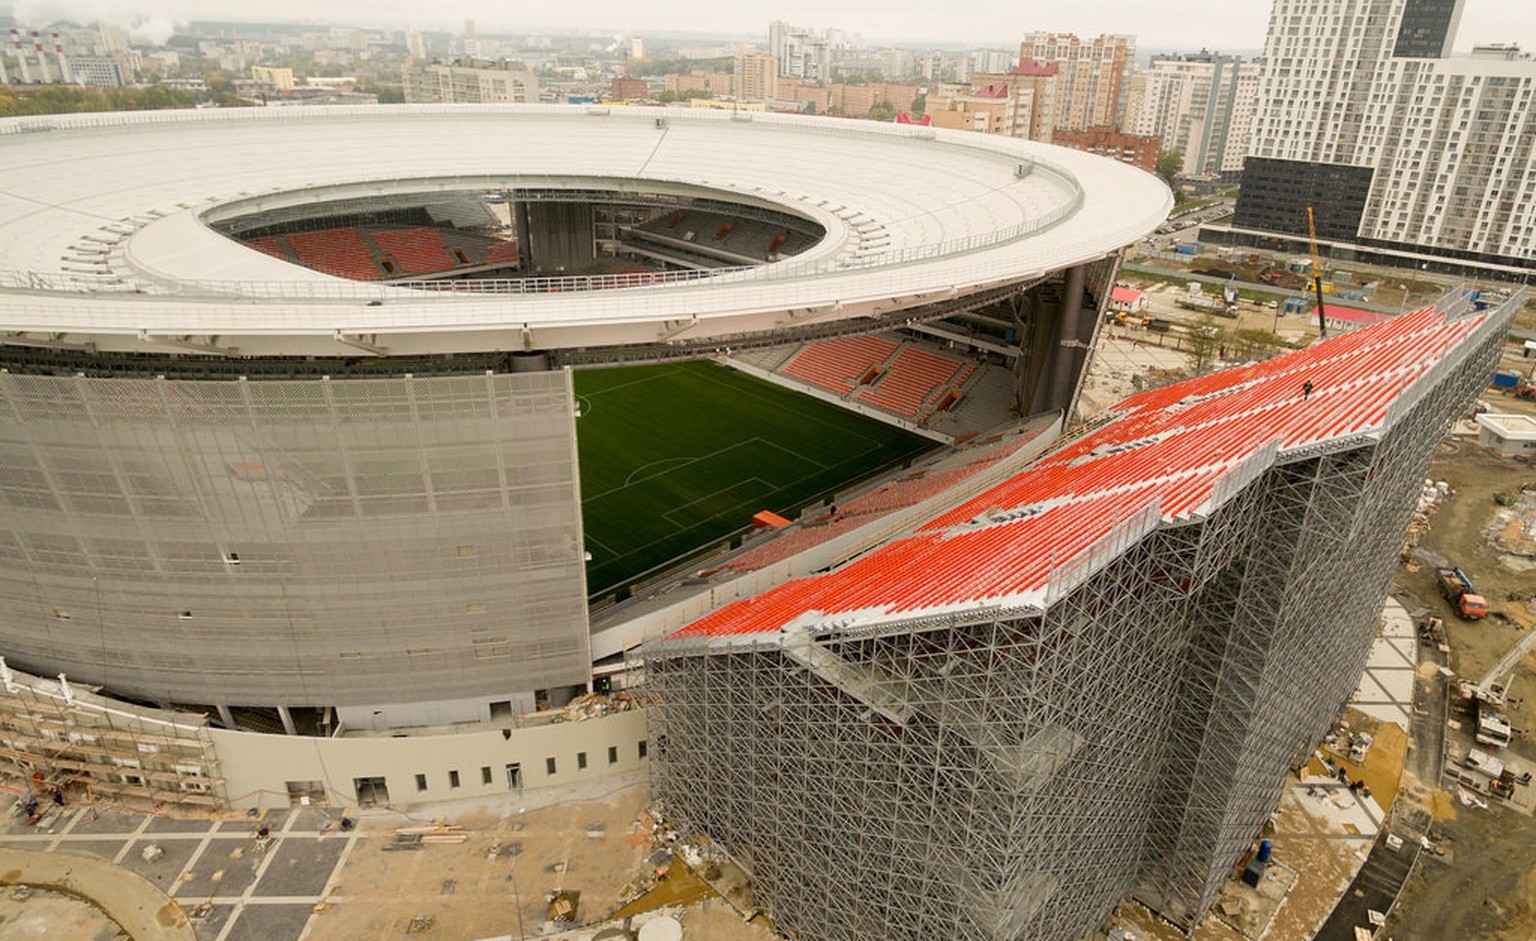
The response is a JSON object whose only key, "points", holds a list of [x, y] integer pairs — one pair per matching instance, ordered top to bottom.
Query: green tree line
{"points": [[21, 100]]}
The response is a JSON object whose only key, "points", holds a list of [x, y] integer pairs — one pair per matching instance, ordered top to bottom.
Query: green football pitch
{"points": [[677, 456]]}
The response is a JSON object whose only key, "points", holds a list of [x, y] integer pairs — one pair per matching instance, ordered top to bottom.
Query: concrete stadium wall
{"points": [[257, 768]]}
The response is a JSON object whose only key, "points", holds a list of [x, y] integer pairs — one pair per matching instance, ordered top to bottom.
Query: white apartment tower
{"points": [[802, 53], [1200, 104], [1363, 115]]}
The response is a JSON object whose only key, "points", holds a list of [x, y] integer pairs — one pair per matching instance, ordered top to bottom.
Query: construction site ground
{"points": [[313, 881], [1484, 884]]}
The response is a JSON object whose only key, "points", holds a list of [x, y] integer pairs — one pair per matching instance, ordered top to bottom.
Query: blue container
{"points": [[1505, 380], [1265, 849]]}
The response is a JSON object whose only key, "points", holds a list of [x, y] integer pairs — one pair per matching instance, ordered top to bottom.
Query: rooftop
{"points": [[119, 251], [1167, 456]]}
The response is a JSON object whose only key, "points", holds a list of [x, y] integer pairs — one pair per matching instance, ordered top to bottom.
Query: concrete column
{"points": [[524, 240], [1066, 356], [225, 716], [287, 717]]}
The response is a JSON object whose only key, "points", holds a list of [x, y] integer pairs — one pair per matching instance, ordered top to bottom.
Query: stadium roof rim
{"points": [[104, 238]]}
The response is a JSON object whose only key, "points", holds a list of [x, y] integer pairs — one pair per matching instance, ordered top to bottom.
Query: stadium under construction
{"points": [[294, 507], [1085, 683]]}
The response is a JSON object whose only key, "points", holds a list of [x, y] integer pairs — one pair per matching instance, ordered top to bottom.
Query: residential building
{"points": [[802, 53], [100, 71], [756, 76], [1095, 76], [279, 78], [475, 81], [716, 83], [624, 89], [1019, 103], [1200, 104], [1363, 116], [1107, 142]]}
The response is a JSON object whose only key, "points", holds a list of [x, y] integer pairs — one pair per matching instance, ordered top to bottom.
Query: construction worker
{"points": [[1306, 390]]}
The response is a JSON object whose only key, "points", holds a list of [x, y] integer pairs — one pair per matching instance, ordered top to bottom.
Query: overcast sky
{"points": [[1217, 24]]}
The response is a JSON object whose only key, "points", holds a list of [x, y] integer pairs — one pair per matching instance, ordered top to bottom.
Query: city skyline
{"points": [[1239, 26]]}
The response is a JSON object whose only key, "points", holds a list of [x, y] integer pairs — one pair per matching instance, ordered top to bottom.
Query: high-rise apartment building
{"points": [[802, 53], [756, 75], [1095, 76], [473, 81], [1200, 104], [1363, 116]]}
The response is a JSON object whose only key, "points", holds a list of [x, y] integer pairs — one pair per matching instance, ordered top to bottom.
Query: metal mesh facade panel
{"points": [[309, 542], [1006, 777]]}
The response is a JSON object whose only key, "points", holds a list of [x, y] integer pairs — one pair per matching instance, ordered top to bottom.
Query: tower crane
{"points": [[1317, 278]]}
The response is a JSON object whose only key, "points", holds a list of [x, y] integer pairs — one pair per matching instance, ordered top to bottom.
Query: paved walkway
{"points": [[220, 882], [138, 906]]}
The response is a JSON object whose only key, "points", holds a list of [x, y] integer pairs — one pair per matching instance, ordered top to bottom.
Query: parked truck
{"points": [[1207, 304], [1459, 591]]}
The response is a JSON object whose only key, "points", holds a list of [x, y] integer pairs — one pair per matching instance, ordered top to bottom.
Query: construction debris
{"points": [[436, 832], [151, 853], [562, 907], [419, 924]]}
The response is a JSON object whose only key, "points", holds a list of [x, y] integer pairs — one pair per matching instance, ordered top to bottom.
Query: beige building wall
{"points": [[756, 76], [1095, 78], [281, 79], [476, 81], [716, 83], [257, 769]]}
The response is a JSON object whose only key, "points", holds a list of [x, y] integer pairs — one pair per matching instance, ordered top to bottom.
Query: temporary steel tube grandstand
{"points": [[1086, 683]]}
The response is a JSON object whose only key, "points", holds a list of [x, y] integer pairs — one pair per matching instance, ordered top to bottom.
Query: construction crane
{"points": [[1317, 278]]}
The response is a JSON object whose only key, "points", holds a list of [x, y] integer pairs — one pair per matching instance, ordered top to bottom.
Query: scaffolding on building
{"points": [[56, 734], [1016, 766]]}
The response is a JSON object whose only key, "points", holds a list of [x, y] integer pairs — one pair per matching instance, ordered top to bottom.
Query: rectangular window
{"points": [[613, 754], [581, 761], [549, 766], [485, 774], [453, 779], [421, 782]]}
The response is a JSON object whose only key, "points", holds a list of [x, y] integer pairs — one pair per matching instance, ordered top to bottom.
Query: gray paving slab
{"points": [[309, 820], [105, 821], [179, 825], [106, 849], [231, 861], [300, 866], [164, 869], [269, 923], [208, 926]]}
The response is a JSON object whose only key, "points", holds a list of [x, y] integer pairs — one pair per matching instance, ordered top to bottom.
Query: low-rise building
{"points": [[473, 81], [1107, 142], [1507, 435]]}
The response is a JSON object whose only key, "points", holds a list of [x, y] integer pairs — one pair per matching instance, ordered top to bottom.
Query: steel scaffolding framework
{"points": [[1011, 773]]}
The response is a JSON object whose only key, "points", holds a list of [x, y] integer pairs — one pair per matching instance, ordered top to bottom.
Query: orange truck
{"points": [[1457, 589]]}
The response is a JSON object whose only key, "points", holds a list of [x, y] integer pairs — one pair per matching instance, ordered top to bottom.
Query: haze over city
{"points": [[1214, 24]]}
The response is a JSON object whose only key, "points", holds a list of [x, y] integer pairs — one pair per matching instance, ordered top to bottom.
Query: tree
{"points": [[919, 104], [882, 111], [1169, 163], [1204, 340], [1251, 343]]}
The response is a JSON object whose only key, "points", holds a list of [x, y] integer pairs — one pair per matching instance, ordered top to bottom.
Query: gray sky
{"points": [[1218, 24]]}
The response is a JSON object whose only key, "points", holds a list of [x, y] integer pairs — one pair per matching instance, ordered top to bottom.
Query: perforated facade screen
{"points": [[300, 542]]}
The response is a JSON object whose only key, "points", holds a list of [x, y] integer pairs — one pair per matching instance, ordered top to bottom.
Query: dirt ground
{"points": [[509, 864], [1488, 890], [49, 916]]}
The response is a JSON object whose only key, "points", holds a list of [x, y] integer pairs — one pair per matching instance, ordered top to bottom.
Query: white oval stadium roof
{"points": [[104, 236]]}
